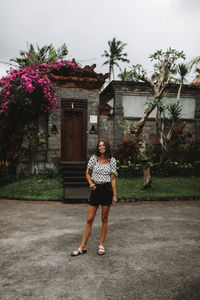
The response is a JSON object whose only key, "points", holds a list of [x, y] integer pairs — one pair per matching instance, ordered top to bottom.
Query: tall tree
{"points": [[114, 55], [37, 56], [164, 68], [167, 124]]}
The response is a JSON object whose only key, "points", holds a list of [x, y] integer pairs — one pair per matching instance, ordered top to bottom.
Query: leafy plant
{"points": [[46, 54], [114, 55], [25, 93], [126, 152]]}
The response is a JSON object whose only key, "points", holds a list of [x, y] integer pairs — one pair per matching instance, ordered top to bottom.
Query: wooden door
{"points": [[73, 143]]}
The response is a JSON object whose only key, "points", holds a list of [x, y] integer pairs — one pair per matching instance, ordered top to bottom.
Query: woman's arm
{"points": [[88, 177], [113, 182]]}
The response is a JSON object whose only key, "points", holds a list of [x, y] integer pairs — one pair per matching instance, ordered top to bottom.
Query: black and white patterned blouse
{"points": [[102, 172]]}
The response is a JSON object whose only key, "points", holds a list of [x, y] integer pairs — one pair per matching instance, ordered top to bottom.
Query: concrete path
{"points": [[153, 252]]}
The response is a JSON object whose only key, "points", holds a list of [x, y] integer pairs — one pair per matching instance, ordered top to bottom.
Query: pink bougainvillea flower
{"points": [[28, 82]]}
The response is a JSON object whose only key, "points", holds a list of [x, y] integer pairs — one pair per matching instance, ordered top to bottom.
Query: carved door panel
{"points": [[73, 135]]}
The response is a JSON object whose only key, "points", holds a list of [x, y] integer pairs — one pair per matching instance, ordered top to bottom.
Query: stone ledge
{"points": [[74, 200]]}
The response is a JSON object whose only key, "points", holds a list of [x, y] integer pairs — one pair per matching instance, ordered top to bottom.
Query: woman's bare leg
{"points": [[88, 227], [104, 228]]}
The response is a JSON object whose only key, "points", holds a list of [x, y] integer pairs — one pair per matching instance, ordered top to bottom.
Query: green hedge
{"points": [[168, 168]]}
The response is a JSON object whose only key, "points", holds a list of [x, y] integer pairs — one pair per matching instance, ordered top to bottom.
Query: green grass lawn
{"points": [[162, 187], [34, 188], [40, 188]]}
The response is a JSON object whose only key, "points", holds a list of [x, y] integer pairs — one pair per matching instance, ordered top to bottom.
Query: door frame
{"points": [[79, 105]]}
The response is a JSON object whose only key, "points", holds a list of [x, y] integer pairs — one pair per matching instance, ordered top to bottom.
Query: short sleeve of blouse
{"points": [[92, 161], [113, 166]]}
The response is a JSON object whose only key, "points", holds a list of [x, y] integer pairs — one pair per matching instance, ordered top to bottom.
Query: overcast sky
{"points": [[86, 26]]}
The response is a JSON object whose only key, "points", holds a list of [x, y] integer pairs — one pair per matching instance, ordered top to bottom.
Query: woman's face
{"points": [[102, 148]]}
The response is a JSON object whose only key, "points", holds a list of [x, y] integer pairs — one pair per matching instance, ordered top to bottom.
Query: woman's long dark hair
{"points": [[108, 151]]}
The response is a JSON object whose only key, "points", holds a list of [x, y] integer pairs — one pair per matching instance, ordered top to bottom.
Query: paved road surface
{"points": [[153, 252]]}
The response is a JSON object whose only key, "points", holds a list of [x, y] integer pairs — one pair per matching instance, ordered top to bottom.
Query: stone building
{"points": [[126, 101], [85, 115], [73, 130]]}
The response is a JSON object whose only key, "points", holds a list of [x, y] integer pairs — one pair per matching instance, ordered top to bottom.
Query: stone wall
{"points": [[129, 100], [118, 117], [197, 118], [107, 126], [107, 129], [149, 131], [54, 141], [34, 162]]}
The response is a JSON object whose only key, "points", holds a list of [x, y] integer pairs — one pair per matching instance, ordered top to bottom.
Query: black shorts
{"points": [[102, 195]]}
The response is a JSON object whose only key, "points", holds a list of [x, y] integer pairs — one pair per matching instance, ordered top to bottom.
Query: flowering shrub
{"points": [[20, 87], [25, 93]]}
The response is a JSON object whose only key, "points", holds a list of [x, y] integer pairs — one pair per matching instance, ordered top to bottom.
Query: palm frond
{"points": [[62, 51], [47, 54], [115, 54], [182, 70], [174, 110]]}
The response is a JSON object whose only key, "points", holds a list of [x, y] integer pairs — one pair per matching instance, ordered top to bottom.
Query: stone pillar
{"points": [[93, 109], [118, 113], [197, 119], [103, 127], [43, 129], [54, 146]]}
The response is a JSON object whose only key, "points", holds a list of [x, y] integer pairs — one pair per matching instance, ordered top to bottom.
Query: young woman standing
{"points": [[100, 174]]}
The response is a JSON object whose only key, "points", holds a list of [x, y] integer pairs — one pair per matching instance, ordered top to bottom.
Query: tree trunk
{"points": [[110, 70], [179, 94], [157, 121], [145, 163], [147, 175]]}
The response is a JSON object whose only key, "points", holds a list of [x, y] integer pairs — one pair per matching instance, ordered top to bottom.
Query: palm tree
{"points": [[45, 54], [114, 55]]}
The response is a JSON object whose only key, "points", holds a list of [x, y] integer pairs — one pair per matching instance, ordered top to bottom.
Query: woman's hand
{"points": [[93, 186], [114, 200]]}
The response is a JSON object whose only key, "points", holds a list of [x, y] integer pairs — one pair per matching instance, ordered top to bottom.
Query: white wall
{"points": [[134, 106]]}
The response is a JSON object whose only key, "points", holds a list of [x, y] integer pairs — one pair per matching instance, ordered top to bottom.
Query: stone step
{"points": [[72, 162], [72, 165], [68, 172], [73, 172], [74, 179], [75, 184], [76, 188], [76, 194]]}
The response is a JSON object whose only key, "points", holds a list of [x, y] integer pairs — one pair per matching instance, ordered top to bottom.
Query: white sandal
{"points": [[101, 250], [78, 251]]}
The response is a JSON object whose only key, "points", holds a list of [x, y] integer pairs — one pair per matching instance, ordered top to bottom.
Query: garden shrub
{"points": [[25, 93], [127, 151], [182, 160], [167, 169], [6, 174]]}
